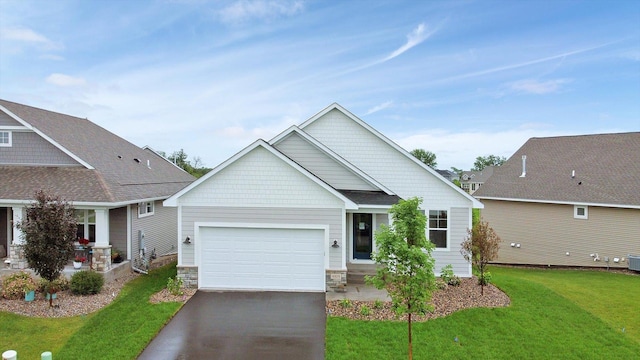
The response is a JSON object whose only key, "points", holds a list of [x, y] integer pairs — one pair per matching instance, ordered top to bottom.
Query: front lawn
{"points": [[542, 322], [119, 331]]}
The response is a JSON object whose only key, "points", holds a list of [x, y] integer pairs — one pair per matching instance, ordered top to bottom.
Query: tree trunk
{"points": [[410, 345]]}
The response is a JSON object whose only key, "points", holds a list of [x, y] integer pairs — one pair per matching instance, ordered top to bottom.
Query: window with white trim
{"points": [[5, 138], [145, 209], [580, 212], [86, 220], [438, 226]]}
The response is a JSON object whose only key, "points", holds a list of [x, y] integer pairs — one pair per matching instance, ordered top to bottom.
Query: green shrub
{"points": [[447, 275], [487, 279], [86, 282], [59, 284], [440, 284], [16, 285], [174, 285], [345, 303], [378, 304], [365, 311]]}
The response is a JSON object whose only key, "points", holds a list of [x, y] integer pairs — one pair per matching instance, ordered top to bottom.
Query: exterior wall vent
{"points": [[634, 262]]}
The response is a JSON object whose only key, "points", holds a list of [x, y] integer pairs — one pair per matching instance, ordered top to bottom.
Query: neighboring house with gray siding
{"points": [[470, 181], [117, 188], [567, 201], [300, 211]]}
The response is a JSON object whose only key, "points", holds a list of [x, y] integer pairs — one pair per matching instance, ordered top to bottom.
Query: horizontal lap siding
{"points": [[320, 164], [331, 217], [460, 222], [118, 230], [160, 230], [546, 232]]}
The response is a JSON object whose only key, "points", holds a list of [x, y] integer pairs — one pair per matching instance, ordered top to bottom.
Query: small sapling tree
{"points": [[49, 230], [480, 247], [406, 266]]}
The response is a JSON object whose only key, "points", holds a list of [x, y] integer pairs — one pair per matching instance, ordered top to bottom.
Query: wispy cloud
{"points": [[244, 10], [26, 35], [415, 37], [52, 57], [65, 80], [532, 86], [379, 107]]}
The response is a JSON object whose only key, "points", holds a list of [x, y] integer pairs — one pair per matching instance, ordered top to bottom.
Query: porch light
{"points": [[187, 240], [335, 244]]}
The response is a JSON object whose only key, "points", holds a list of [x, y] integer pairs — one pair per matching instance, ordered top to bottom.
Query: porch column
{"points": [[18, 238], [16, 252], [101, 257]]}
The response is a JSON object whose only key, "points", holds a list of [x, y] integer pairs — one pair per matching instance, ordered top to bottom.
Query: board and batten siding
{"points": [[28, 148], [381, 161], [320, 164], [260, 178], [279, 215], [118, 230], [160, 230], [546, 232]]}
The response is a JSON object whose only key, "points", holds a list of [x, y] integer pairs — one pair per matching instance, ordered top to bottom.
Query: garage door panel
{"points": [[262, 258]]}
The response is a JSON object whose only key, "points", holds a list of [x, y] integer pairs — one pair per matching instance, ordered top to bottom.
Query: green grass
{"points": [[541, 323], [119, 331]]}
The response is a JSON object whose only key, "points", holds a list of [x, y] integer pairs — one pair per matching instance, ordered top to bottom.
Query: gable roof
{"points": [[336, 106], [331, 154], [600, 169], [125, 172], [477, 176], [173, 200]]}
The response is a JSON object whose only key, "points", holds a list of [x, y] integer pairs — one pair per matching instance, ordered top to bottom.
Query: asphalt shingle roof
{"points": [[607, 171], [117, 176], [362, 197]]}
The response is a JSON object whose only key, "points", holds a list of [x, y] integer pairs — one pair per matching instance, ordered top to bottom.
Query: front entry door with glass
{"points": [[362, 236]]}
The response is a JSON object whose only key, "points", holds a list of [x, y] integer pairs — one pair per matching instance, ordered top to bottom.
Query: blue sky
{"points": [[459, 78]]}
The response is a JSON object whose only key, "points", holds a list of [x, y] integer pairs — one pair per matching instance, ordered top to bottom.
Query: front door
{"points": [[362, 236]]}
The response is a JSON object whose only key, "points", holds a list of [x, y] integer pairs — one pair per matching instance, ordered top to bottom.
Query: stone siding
{"points": [[101, 258], [189, 276], [336, 280]]}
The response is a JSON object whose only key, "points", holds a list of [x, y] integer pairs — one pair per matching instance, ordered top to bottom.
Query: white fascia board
{"points": [[13, 128], [50, 140], [333, 155], [173, 200], [476, 203], [85, 204], [621, 206]]}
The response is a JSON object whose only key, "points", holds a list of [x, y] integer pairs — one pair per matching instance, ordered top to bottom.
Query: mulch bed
{"points": [[447, 301]]}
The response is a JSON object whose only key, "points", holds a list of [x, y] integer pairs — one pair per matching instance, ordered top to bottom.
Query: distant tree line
{"points": [[181, 159], [429, 159]]}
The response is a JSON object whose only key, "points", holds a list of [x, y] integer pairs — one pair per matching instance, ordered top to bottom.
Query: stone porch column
{"points": [[101, 257]]}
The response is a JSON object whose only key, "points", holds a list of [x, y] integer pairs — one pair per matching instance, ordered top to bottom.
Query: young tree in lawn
{"points": [[49, 230], [480, 247], [406, 266]]}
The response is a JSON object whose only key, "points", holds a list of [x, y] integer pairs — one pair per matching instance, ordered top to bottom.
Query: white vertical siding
{"points": [[321, 165], [260, 179], [193, 214]]}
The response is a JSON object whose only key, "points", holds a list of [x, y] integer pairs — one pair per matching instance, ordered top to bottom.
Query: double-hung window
{"points": [[5, 138], [145, 209], [438, 226]]}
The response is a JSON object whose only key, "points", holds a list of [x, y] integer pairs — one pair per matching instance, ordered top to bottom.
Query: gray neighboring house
{"points": [[449, 175], [470, 181], [116, 187], [567, 201], [300, 211]]}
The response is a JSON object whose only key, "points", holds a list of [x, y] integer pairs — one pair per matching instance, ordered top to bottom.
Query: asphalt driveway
{"points": [[244, 325]]}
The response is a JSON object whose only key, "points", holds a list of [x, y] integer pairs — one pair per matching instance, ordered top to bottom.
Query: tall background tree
{"points": [[426, 157], [181, 159], [490, 160], [49, 230], [481, 247], [406, 265]]}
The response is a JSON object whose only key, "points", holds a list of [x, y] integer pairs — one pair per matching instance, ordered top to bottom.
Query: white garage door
{"points": [[262, 258]]}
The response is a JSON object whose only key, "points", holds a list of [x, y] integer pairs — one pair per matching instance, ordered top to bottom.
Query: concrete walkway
{"points": [[360, 292]]}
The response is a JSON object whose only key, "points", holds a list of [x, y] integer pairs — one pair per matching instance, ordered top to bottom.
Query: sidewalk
{"points": [[360, 292]]}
